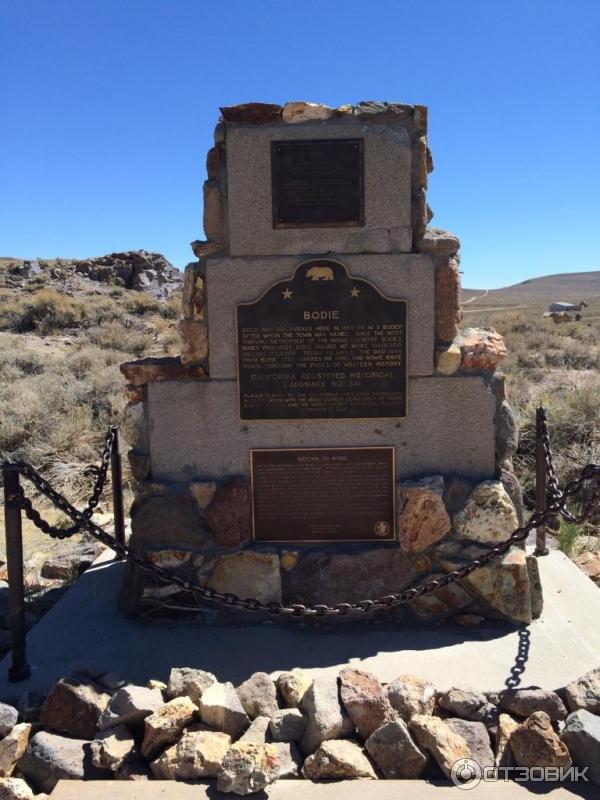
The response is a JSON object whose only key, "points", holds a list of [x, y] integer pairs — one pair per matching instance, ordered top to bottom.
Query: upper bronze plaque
{"points": [[317, 183], [323, 345]]}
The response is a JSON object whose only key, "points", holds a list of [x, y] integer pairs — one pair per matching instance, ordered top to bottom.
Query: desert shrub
{"points": [[140, 304], [171, 308], [46, 311], [118, 336]]}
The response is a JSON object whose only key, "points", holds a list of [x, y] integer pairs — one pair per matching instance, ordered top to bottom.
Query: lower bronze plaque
{"points": [[341, 494]]}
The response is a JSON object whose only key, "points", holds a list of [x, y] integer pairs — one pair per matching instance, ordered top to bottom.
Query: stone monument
{"points": [[328, 433]]}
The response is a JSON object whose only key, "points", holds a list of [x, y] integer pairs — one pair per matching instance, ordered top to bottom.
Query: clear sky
{"points": [[108, 108]]}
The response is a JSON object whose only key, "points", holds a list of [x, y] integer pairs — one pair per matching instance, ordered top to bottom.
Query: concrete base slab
{"points": [[86, 628], [291, 790]]}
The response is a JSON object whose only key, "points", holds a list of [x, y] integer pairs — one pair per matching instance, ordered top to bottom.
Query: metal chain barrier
{"points": [[556, 506], [589, 506], [55, 531]]}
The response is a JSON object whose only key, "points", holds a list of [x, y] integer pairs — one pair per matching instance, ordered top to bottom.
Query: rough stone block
{"points": [[387, 189], [232, 281], [196, 433]]}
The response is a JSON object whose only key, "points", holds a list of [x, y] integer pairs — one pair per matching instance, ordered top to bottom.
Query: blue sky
{"points": [[108, 109]]}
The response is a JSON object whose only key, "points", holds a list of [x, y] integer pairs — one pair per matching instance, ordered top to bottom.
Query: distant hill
{"points": [[570, 286]]}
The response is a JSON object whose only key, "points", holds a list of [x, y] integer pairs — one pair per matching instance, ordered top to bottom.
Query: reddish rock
{"points": [[255, 113], [447, 301], [194, 341], [482, 348], [148, 370], [135, 394], [229, 516], [423, 520], [170, 521], [331, 578], [365, 701], [73, 708], [536, 744]]}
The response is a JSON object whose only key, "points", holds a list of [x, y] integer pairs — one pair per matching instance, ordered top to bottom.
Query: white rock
{"points": [[488, 516], [220, 708], [198, 754]]}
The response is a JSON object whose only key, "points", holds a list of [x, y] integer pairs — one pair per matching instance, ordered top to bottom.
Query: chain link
{"points": [[556, 506], [587, 508], [55, 531]]}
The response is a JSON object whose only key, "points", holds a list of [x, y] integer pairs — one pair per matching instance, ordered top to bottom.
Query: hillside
{"points": [[570, 286]]}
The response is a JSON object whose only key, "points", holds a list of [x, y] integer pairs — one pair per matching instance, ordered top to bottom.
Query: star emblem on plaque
{"points": [[322, 345]]}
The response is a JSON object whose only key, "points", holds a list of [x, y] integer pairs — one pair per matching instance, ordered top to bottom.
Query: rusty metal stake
{"points": [[540, 484], [117, 489], [14, 561]]}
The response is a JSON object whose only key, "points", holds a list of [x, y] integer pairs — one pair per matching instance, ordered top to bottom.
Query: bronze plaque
{"points": [[317, 183], [323, 345], [339, 494]]}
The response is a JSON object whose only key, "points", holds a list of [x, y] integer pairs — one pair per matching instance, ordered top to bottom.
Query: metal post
{"points": [[540, 484], [117, 489], [14, 561]]}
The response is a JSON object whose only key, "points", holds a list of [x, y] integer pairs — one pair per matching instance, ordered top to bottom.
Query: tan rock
{"points": [[299, 111], [420, 162], [213, 211], [437, 242], [202, 249], [194, 292], [447, 301], [194, 341], [482, 348], [448, 359], [149, 370], [203, 493], [229, 515], [489, 515], [423, 519], [248, 574], [504, 584], [443, 602], [189, 682], [154, 684], [293, 686], [585, 692], [258, 695], [411, 696], [365, 701], [74, 708], [220, 708], [327, 718], [166, 724], [257, 732], [477, 738], [535, 744], [446, 746], [12, 747], [112, 747], [393, 750], [198, 754], [503, 756], [338, 759], [248, 768], [15, 789]]}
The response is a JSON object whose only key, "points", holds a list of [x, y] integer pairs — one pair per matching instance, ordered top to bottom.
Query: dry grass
{"points": [[557, 366], [60, 384]]}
